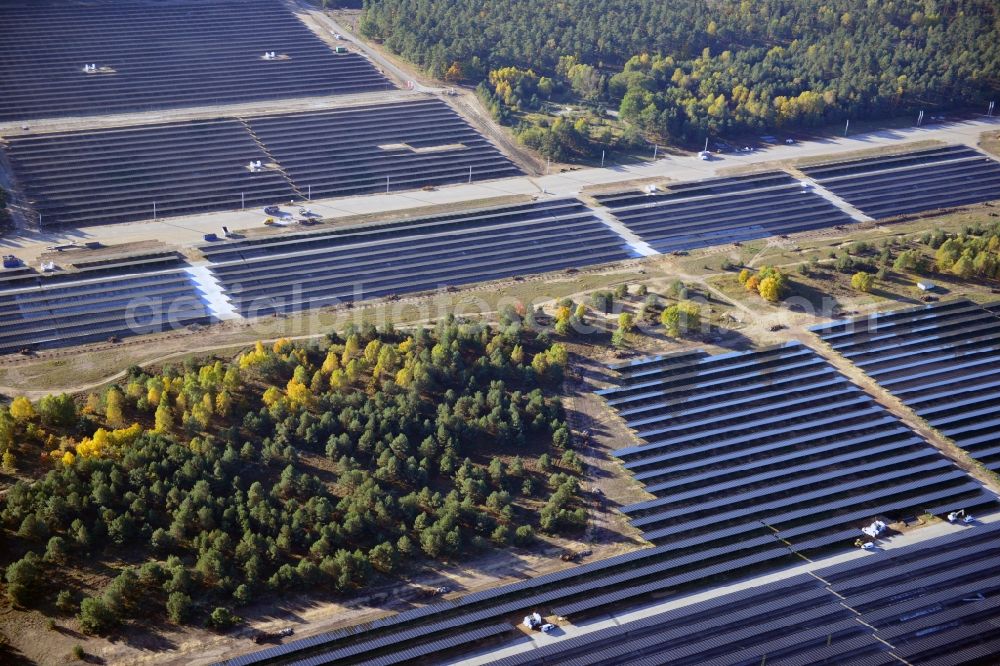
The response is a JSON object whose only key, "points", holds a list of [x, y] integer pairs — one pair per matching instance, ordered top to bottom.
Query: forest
{"points": [[683, 70], [198, 489]]}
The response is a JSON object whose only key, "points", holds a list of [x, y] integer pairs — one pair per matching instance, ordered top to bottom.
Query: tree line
{"points": [[682, 70]]}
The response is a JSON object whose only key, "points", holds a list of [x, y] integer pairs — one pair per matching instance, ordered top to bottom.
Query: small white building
{"points": [[926, 286]]}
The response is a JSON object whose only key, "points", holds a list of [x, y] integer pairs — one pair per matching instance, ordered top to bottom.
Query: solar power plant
{"points": [[151, 55], [364, 150], [137, 173], [119, 175], [912, 182], [723, 210], [296, 272], [101, 301], [941, 360], [772, 442], [933, 602]]}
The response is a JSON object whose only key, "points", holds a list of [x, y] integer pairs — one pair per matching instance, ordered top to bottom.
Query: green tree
{"points": [[910, 261], [964, 267], [57, 410], [56, 551], [383, 557], [23, 578], [178, 607], [96, 617], [222, 618]]}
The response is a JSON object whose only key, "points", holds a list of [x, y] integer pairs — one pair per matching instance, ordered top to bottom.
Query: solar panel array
{"points": [[161, 55], [362, 150], [135, 173], [118, 175], [912, 182], [723, 210], [297, 272], [104, 300], [941, 360], [772, 442], [933, 602]]}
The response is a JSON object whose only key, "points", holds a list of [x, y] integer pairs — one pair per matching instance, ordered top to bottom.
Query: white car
{"points": [[546, 628]]}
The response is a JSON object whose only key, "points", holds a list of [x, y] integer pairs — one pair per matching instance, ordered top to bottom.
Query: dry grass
{"points": [[990, 142]]}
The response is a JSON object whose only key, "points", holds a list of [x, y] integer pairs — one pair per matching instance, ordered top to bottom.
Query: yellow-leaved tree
{"points": [[22, 409]]}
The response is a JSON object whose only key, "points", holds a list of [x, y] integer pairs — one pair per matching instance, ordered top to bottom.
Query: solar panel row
{"points": [[160, 55], [140, 172], [912, 182], [726, 210], [356, 263], [106, 301], [940, 360], [775, 620], [432, 648]]}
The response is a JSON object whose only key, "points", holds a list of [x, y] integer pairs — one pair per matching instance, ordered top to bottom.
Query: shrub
{"points": [[863, 281], [602, 301], [681, 318], [501, 535], [524, 535], [23, 578], [64, 601], [96, 617], [222, 618]]}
